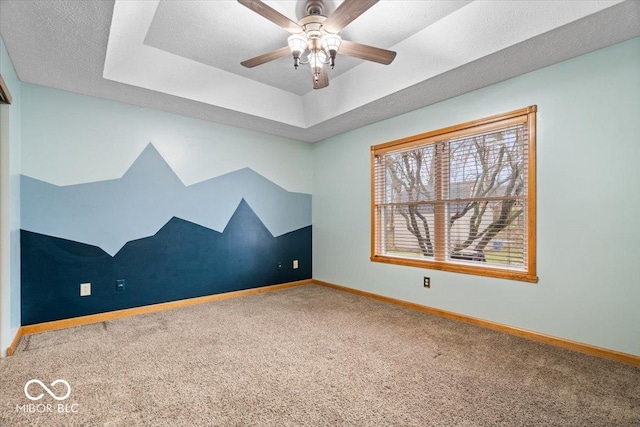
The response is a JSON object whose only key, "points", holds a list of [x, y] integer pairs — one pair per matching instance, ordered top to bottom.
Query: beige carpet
{"points": [[309, 356]]}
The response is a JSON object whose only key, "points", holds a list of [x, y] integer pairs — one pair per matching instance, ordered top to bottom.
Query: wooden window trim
{"points": [[5, 96], [524, 115]]}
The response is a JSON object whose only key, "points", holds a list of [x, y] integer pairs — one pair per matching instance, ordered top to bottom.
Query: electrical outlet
{"points": [[295, 264], [279, 266], [427, 282], [120, 285], [85, 289]]}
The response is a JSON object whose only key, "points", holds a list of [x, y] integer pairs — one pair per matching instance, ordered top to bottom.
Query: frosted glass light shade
{"points": [[331, 43], [297, 44], [317, 59]]}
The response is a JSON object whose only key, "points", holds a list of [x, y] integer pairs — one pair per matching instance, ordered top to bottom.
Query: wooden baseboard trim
{"points": [[111, 315], [500, 327], [14, 343]]}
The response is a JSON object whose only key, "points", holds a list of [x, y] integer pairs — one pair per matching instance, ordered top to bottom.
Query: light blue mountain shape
{"points": [[108, 214]]}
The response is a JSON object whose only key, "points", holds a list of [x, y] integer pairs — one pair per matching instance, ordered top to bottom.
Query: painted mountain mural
{"points": [[110, 213], [167, 241]]}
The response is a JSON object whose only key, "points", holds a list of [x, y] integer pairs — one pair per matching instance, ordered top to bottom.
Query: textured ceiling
{"points": [[183, 56]]}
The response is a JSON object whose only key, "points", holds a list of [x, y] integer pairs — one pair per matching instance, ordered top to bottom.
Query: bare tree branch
{"points": [[482, 166]]}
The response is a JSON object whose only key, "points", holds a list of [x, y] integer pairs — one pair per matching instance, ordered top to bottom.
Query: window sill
{"points": [[457, 268]]}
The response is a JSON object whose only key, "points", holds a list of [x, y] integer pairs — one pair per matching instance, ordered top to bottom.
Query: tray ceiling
{"points": [[183, 56]]}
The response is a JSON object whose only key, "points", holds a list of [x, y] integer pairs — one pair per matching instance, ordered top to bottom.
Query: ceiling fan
{"points": [[314, 39]]}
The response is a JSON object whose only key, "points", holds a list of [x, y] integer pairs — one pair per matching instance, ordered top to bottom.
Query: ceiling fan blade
{"points": [[346, 13], [272, 15], [369, 53], [266, 57], [323, 79]]}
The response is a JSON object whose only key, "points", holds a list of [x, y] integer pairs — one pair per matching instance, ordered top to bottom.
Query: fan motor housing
{"points": [[315, 7]]}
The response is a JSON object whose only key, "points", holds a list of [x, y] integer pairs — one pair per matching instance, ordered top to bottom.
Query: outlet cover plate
{"points": [[427, 282], [85, 289]]}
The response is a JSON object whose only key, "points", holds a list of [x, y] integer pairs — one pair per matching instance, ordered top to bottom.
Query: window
{"points": [[5, 97], [459, 199]]}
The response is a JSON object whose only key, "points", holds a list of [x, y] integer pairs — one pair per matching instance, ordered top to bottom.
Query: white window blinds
{"points": [[459, 199]]}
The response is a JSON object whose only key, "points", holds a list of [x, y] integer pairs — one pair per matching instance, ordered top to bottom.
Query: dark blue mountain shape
{"points": [[110, 213], [182, 260]]}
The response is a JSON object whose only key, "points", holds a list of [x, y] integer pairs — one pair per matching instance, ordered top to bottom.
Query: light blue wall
{"points": [[10, 138], [73, 139], [79, 154], [147, 187], [588, 204]]}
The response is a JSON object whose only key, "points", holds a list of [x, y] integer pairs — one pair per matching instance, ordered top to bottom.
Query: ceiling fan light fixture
{"points": [[314, 39], [297, 44]]}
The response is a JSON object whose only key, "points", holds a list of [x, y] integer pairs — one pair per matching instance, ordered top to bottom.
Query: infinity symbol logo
{"points": [[45, 388]]}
